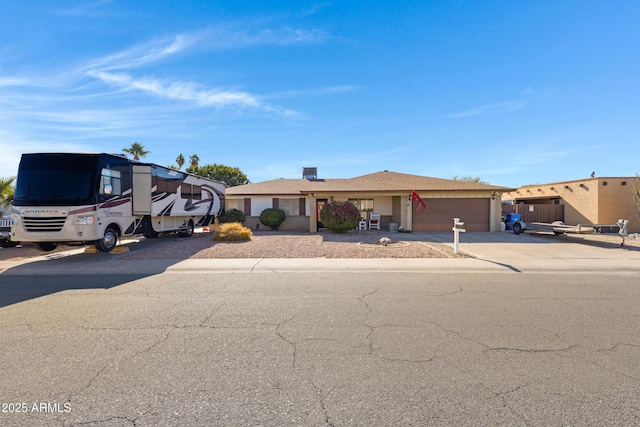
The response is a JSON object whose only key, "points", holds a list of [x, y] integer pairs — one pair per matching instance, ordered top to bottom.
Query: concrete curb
{"points": [[249, 265], [75, 266]]}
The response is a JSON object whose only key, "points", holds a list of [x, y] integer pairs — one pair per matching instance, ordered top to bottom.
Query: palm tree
{"points": [[137, 150], [194, 159], [180, 161], [6, 191]]}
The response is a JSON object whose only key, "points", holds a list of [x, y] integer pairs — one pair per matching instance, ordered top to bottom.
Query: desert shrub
{"points": [[232, 215], [340, 216], [272, 217], [232, 232]]}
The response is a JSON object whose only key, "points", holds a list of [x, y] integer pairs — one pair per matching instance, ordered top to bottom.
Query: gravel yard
{"points": [[268, 244], [298, 245]]}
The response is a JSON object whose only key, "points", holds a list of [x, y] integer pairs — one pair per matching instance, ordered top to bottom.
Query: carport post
{"points": [[458, 227]]}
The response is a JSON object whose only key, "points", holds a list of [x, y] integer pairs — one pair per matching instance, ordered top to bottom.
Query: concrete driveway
{"points": [[546, 252]]}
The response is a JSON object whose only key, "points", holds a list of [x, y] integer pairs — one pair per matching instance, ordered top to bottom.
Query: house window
{"points": [[604, 182], [624, 182], [234, 204], [290, 206], [365, 206]]}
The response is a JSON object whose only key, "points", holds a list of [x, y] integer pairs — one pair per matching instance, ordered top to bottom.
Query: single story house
{"points": [[385, 193], [597, 200]]}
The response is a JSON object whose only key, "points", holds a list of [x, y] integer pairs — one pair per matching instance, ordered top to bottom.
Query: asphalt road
{"points": [[336, 349]]}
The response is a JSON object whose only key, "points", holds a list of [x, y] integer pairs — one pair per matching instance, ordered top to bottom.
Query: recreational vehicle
{"points": [[96, 198]]}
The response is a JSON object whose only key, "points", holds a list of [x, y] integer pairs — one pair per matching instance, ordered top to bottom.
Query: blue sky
{"points": [[514, 92]]}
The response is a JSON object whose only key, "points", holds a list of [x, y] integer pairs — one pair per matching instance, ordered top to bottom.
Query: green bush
{"points": [[232, 215], [340, 216], [272, 217], [232, 232]]}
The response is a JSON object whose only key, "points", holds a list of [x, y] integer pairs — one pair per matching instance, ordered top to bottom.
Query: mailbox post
{"points": [[458, 227]]}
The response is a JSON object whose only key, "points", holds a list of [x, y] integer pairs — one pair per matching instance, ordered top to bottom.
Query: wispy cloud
{"points": [[315, 8], [84, 10], [227, 37], [210, 39], [143, 54], [110, 68], [14, 81], [329, 90], [186, 91], [537, 93], [97, 100], [498, 108]]}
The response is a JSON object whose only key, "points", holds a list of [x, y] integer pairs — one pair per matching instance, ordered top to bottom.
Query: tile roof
{"points": [[375, 182]]}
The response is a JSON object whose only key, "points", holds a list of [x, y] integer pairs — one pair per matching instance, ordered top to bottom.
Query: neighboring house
{"points": [[386, 193], [584, 201]]}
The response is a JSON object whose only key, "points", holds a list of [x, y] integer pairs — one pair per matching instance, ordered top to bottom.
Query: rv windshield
{"points": [[56, 180]]}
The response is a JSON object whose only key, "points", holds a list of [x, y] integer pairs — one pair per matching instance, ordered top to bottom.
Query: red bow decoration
{"points": [[421, 204]]}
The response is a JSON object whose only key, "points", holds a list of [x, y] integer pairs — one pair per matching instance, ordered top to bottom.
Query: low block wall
{"points": [[291, 223]]}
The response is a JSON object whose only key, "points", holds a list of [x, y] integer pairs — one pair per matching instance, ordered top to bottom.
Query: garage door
{"points": [[440, 213]]}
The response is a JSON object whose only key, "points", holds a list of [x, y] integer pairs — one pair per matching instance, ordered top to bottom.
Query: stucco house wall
{"points": [[390, 192], [587, 201], [616, 201]]}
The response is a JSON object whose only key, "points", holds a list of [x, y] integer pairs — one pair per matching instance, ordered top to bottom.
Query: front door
{"points": [[319, 204]]}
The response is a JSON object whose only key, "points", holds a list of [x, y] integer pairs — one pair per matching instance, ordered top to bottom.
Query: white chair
{"points": [[374, 221], [362, 225]]}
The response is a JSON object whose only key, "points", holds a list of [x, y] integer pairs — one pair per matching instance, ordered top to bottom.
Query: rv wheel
{"points": [[188, 232], [109, 241], [46, 246]]}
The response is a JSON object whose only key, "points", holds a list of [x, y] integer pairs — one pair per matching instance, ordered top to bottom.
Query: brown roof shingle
{"points": [[375, 182]]}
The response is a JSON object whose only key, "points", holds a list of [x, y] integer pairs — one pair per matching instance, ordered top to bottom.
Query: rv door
{"points": [[141, 190]]}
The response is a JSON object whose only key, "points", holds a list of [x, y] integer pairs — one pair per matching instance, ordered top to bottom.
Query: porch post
{"points": [[495, 212], [313, 213], [409, 225]]}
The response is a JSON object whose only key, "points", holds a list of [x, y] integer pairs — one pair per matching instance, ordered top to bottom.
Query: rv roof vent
{"points": [[310, 173]]}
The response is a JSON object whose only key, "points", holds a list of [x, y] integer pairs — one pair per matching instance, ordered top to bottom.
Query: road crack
{"points": [[292, 343]]}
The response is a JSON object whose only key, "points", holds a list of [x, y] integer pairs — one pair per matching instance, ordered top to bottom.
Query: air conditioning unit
{"points": [[310, 173]]}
